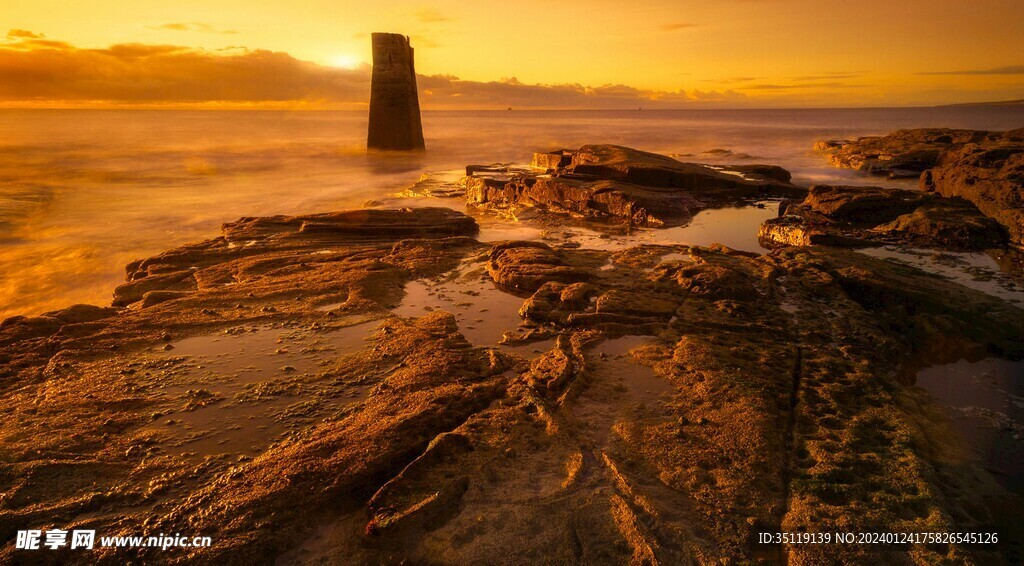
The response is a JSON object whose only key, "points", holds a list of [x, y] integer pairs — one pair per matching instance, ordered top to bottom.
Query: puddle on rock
{"points": [[735, 227], [492, 230], [675, 256], [978, 271], [483, 312], [262, 351], [529, 351], [617, 385], [239, 391], [986, 402]]}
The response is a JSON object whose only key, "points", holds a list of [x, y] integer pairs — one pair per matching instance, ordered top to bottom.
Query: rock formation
{"points": [[394, 102], [986, 168], [991, 175], [621, 183], [865, 216], [771, 396]]}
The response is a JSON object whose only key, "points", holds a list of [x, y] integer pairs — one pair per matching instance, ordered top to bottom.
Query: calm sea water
{"points": [[82, 192]]}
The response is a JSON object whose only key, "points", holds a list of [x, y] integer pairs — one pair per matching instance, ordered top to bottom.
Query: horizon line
{"points": [[305, 106]]}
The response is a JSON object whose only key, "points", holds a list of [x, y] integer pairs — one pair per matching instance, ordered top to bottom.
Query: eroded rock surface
{"points": [[985, 168], [991, 175], [621, 183], [191, 267], [688, 398]]}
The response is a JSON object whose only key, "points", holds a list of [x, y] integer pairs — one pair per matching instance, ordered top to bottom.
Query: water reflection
{"points": [[986, 402]]}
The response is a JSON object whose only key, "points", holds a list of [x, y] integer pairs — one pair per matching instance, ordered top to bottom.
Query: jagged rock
{"points": [[901, 151], [552, 160], [986, 168], [649, 169], [990, 175], [614, 182], [588, 199], [861, 204], [862, 216], [952, 226], [797, 230], [529, 265], [638, 302], [76, 314], [18, 328], [398, 505]]}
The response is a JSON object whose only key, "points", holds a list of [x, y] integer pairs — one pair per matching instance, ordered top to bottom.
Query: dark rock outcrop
{"points": [[903, 153], [552, 160], [629, 165], [986, 168], [991, 175], [614, 182], [585, 198], [861, 204], [860, 216]]}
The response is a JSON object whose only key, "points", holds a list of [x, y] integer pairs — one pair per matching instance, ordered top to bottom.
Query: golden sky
{"points": [[599, 53]]}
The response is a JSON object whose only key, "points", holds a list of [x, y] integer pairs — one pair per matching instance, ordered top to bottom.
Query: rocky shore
{"points": [[985, 168], [652, 404]]}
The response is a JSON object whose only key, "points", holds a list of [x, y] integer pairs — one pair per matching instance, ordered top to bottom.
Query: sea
{"points": [[83, 192]]}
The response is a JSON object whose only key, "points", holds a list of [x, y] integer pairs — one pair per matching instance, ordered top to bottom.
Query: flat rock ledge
{"points": [[620, 184], [170, 274], [783, 404]]}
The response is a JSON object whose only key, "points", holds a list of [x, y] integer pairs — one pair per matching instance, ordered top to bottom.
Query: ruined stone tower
{"points": [[394, 104]]}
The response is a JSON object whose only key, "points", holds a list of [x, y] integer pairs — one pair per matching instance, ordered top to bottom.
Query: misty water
{"points": [[83, 192]]}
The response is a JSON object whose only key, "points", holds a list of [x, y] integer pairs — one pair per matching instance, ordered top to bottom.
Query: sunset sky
{"points": [[532, 53]]}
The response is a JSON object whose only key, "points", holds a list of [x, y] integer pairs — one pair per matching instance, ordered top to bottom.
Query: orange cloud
{"points": [[431, 16], [191, 26], [677, 26], [20, 33], [26, 40], [33, 69], [1007, 70], [800, 86], [446, 90]]}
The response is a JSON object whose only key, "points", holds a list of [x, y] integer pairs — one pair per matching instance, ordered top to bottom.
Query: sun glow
{"points": [[345, 61]]}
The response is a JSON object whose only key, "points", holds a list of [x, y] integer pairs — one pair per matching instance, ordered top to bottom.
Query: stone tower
{"points": [[394, 103]]}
